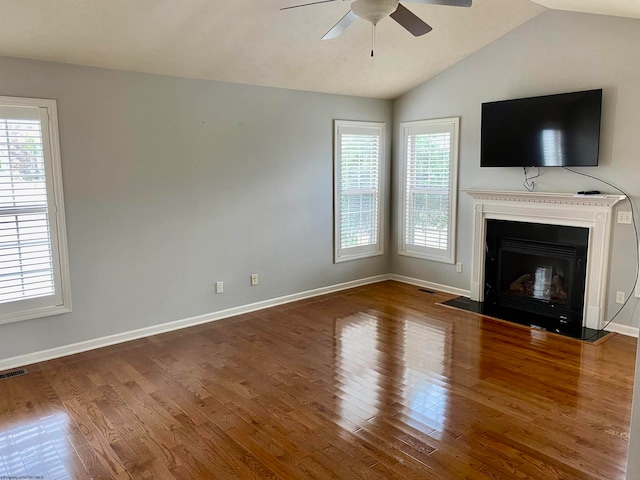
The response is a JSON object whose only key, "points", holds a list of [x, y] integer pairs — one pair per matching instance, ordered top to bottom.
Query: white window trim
{"points": [[57, 224], [355, 253], [448, 255]]}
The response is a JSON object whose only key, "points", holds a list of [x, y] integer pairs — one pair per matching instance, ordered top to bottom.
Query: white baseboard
{"points": [[430, 285], [623, 329], [44, 355]]}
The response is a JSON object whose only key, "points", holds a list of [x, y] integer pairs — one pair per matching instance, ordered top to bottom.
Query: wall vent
{"points": [[13, 373]]}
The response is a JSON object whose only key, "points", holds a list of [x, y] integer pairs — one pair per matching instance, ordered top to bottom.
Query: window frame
{"points": [[438, 125], [371, 250], [18, 310]]}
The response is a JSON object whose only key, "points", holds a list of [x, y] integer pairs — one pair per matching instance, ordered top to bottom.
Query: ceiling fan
{"points": [[375, 10]]}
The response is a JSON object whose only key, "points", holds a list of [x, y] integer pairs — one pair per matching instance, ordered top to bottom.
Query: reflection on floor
{"points": [[35, 446]]}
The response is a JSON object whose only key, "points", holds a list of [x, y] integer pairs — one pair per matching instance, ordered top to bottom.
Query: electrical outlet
{"points": [[624, 217], [459, 267], [254, 279], [219, 287], [620, 296]]}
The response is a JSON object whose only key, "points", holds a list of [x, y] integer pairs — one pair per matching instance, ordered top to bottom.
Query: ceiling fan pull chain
{"points": [[373, 37]]}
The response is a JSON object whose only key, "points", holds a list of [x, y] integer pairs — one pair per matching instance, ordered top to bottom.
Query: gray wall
{"points": [[552, 53], [173, 184]]}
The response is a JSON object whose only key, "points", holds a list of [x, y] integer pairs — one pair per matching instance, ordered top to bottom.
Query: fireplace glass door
{"points": [[535, 270]]}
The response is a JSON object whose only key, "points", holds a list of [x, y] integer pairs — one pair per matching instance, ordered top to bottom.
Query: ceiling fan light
{"points": [[374, 10]]}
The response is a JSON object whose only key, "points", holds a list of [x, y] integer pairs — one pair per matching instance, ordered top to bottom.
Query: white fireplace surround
{"points": [[594, 212]]}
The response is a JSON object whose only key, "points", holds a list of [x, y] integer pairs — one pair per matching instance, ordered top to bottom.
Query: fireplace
{"points": [[590, 214], [535, 274]]}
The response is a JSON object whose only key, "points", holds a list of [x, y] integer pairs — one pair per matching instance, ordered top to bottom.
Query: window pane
{"points": [[358, 169], [427, 184], [429, 188], [358, 219], [428, 219], [26, 265]]}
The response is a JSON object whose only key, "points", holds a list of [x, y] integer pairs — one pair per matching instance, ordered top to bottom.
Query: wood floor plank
{"points": [[375, 382]]}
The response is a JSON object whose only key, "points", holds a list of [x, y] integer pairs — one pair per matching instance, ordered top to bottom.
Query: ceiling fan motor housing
{"points": [[374, 10]]}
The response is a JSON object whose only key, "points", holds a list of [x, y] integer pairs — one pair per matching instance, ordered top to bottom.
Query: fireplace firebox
{"points": [[535, 274]]}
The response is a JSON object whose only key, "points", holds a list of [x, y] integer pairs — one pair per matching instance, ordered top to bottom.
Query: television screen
{"points": [[551, 131]]}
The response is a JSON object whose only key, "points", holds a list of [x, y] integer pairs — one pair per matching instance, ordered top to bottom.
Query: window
{"points": [[359, 153], [429, 189], [34, 272]]}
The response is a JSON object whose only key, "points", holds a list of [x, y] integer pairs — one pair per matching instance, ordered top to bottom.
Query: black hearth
{"points": [[535, 274]]}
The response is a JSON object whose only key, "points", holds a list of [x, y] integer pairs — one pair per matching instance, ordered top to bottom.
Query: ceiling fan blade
{"points": [[448, 3], [307, 4], [410, 21], [341, 26]]}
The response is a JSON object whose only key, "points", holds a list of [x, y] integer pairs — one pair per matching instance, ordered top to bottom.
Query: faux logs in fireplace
{"points": [[535, 274]]}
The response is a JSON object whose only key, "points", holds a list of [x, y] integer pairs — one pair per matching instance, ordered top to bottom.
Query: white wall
{"points": [[554, 52], [173, 184]]}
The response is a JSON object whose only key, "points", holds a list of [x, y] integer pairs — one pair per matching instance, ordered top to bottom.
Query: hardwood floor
{"points": [[377, 382]]}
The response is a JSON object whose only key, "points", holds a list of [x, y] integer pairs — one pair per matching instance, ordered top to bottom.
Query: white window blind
{"points": [[358, 157], [429, 189], [31, 277]]}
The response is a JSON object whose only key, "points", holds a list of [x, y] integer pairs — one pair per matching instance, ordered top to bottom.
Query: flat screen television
{"points": [[560, 130]]}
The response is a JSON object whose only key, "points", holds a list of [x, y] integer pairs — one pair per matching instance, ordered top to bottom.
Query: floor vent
{"points": [[426, 291], [13, 373]]}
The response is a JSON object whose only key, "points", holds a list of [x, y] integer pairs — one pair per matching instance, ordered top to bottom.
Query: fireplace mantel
{"points": [[604, 200], [594, 212]]}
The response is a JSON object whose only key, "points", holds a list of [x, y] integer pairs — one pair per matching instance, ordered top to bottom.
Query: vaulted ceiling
{"points": [[254, 42]]}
